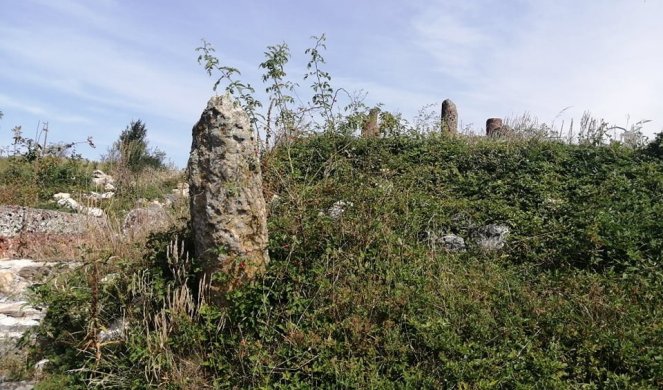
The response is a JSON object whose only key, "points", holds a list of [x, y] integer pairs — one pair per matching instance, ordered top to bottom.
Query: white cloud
{"points": [[603, 57]]}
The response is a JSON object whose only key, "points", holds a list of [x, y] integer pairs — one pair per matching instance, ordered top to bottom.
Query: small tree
{"points": [[132, 150]]}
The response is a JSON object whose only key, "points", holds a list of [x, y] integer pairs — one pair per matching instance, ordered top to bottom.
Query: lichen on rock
{"points": [[228, 212]]}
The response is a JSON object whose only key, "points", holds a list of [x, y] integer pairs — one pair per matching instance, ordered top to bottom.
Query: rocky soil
{"points": [[23, 231]]}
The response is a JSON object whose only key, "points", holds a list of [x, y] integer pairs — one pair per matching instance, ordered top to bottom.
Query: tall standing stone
{"points": [[449, 118], [493, 125], [371, 128], [228, 211]]}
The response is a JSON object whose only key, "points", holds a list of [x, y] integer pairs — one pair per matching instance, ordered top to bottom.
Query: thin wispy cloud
{"points": [[544, 56], [89, 68]]}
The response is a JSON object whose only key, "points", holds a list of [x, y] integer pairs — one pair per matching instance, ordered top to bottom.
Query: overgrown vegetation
{"points": [[132, 151], [32, 170], [366, 298], [366, 301]]}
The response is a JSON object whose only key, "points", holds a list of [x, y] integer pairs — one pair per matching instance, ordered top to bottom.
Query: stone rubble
{"points": [[100, 179], [96, 196], [64, 199], [16, 220], [491, 237], [487, 238], [16, 314]]}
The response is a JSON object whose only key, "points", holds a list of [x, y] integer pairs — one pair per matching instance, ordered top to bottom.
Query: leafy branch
{"points": [[276, 58], [243, 92], [323, 97]]}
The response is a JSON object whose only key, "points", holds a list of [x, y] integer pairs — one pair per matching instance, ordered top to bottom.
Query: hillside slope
{"points": [[361, 293]]}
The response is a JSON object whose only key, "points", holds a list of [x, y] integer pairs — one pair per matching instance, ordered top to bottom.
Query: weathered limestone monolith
{"points": [[449, 118], [493, 125], [371, 128], [228, 213]]}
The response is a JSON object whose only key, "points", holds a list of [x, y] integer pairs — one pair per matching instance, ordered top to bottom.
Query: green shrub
{"points": [[365, 301]]}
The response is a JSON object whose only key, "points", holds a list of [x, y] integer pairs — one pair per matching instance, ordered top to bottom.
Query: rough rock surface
{"points": [[449, 117], [493, 126], [102, 180], [228, 213], [145, 219], [15, 220], [28, 232], [491, 237], [450, 242], [16, 315]]}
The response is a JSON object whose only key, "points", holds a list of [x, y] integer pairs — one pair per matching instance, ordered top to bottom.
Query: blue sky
{"points": [[90, 67]]}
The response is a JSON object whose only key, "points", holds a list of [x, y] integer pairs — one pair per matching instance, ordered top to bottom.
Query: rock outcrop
{"points": [[227, 206], [143, 220], [25, 231], [16, 315]]}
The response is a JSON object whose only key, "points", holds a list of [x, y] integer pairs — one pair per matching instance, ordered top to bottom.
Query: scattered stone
{"points": [[449, 122], [370, 128], [100, 179], [99, 196], [65, 200], [274, 201], [337, 210], [228, 213], [15, 220], [491, 237], [451, 243], [40, 365]]}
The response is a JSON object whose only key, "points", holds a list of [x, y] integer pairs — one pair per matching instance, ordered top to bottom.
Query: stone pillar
{"points": [[449, 118], [493, 125], [371, 128], [228, 211]]}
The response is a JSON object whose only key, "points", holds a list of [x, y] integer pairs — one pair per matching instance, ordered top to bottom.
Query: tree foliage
{"points": [[132, 149]]}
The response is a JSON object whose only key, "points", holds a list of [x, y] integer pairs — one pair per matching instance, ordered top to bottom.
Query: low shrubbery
{"points": [[365, 301]]}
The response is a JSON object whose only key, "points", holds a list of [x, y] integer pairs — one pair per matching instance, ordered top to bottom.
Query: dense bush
{"points": [[132, 152], [33, 182], [365, 301]]}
